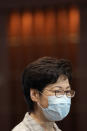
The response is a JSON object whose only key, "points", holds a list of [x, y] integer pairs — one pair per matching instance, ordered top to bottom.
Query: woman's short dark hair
{"points": [[42, 72]]}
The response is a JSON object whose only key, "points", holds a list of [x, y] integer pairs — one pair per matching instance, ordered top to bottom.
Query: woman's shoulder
{"points": [[23, 125], [19, 127]]}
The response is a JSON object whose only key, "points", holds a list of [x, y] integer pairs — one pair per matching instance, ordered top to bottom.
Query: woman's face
{"points": [[61, 84]]}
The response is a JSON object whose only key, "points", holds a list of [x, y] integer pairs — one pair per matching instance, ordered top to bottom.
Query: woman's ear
{"points": [[34, 95]]}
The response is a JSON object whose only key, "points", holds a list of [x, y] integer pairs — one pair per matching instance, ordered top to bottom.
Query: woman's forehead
{"points": [[62, 78], [61, 83]]}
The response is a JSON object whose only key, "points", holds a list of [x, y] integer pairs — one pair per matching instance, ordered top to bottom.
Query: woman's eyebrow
{"points": [[56, 87], [60, 87], [68, 87]]}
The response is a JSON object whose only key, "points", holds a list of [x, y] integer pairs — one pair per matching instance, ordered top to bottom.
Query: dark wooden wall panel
{"points": [[18, 47]]}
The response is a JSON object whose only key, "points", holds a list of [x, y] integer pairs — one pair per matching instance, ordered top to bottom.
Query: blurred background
{"points": [[32, 29]]}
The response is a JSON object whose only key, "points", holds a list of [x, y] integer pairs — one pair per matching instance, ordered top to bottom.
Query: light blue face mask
{"points": [[58, 108]]}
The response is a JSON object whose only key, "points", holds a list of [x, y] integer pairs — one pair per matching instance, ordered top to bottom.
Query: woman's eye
{"points": [[57, 91], [68, 91]]}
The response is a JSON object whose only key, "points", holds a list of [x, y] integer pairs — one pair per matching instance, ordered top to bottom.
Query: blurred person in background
{"points": [[47, 90]]}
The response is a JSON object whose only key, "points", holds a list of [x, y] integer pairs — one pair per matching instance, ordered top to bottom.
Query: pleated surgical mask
{"points": [[58, 108]]}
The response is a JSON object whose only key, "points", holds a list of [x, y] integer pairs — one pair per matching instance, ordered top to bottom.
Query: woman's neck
{"points": [[40, 119]]}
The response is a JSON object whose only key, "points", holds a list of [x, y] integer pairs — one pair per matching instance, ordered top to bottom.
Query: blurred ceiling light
{"points": [[74, 20], [39, 23], [50, 23], [26, 24], [14, 25]]}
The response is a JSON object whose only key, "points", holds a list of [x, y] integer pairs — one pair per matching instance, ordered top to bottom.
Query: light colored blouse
{"points": [[29, 124]]}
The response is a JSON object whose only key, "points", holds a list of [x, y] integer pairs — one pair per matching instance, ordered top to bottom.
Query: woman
{"points": [[47, 90]]}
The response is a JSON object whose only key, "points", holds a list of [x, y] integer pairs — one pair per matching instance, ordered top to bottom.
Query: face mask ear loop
{"points": [[42, 94], [38, 102], [39, 105]]}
